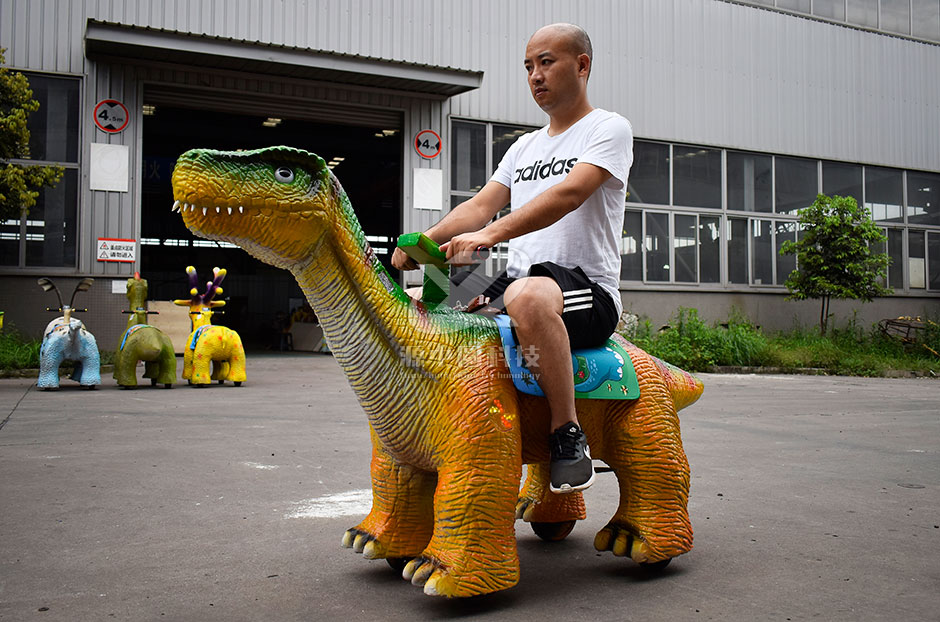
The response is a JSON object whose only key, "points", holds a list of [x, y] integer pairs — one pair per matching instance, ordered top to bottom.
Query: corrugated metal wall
{"points": [[684, 70]]}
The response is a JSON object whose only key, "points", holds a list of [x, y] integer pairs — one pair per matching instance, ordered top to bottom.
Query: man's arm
{"points": [[542, 211], [470, 215]]}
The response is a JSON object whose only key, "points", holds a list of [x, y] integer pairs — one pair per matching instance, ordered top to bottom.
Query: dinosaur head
{"points": [[273, 202]]}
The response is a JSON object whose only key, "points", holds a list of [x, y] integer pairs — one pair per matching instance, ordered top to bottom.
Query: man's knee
{"points": [[533, 297]]}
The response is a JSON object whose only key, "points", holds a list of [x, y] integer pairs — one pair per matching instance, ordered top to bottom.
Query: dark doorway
{"points": [[369, 167]]}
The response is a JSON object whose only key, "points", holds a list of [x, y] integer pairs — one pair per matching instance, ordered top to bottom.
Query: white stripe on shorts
{"points": [[578, 308]]}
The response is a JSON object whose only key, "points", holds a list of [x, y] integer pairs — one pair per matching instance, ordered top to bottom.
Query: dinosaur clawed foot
{"points": [[623, 541], [363, 542]]}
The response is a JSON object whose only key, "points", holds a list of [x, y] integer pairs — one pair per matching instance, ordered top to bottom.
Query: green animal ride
{"points": [[143, 342], [211, 352], [449, 429]]}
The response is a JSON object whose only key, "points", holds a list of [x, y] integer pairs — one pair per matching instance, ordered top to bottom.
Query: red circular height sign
{"points": [[111, 116], [428, 144]]}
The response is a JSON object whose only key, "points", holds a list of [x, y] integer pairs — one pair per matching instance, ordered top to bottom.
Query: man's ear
{"points": [[584, 65]]}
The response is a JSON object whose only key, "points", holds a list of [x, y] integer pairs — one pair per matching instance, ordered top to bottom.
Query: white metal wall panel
{"points": [[700, 71]]}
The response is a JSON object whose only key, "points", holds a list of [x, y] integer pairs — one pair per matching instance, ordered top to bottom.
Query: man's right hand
{"points": [[402, 261]]}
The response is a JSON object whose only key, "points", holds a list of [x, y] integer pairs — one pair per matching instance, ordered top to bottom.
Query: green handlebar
{"points": [[422, 249]]}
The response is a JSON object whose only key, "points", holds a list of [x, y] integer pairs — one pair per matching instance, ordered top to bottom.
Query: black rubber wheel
{"points": [[153, 382], [221, 382], [237, 384], [168, 386], [553, 532], [397, 563], [655, 566]]}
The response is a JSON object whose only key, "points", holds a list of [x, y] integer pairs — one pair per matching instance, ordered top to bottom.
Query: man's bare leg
{"points": [[535, 305]]}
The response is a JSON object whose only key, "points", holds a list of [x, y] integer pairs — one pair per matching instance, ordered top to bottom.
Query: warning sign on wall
{"points": [[112, 249]]}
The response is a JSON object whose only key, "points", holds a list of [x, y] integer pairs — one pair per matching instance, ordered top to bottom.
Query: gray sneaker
{"points": [[571, 466]]}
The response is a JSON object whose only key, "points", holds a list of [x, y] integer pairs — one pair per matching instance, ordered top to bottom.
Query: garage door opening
{"points": [[368, 163]]}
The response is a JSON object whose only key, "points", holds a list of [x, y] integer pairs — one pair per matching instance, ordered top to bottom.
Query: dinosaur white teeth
{"points": [[176, 206], [241, 209], [204, 210], [218, 210], [230, 211]]}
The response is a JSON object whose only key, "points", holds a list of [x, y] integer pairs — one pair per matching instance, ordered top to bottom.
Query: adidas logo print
{"points": [[544, 170]]}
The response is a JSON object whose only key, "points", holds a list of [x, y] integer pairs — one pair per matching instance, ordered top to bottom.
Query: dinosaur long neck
{"points": [[138, 304], [365, 317]]}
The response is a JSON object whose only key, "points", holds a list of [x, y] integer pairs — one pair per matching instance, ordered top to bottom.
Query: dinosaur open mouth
{"points": [[181, 207]]}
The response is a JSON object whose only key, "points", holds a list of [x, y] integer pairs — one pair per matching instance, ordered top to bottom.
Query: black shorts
{"points": [[589, 314]]}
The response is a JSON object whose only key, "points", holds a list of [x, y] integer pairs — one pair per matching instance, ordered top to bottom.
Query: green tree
{"points": [[19, 185], [835, 256]]}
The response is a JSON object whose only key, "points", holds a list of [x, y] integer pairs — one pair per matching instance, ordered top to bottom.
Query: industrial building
{"points": [[742, 112]]}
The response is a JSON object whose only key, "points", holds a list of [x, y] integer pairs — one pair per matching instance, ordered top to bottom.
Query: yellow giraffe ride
{"points": [[211, 352]]}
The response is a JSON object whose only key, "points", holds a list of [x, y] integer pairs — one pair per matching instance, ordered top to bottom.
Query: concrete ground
{"points": [[812, 498]]}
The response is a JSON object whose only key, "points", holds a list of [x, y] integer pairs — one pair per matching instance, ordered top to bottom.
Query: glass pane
{"points": [[794, 5], [834, 9], [862, 12], [896, 16], [926, 20], [54, 127], [503, 138], [468, 156], [649, 175], [696, 177], [844, 180], [750, 182], [796, 184], [883, 192], [923, 198], [51, 226], [786, 231], [709, 240], [10, 242], [657, 247], [685, 248], [737, 250], [895, 252], [631, 257], [933, 258], [916, 260], [763, 266]]}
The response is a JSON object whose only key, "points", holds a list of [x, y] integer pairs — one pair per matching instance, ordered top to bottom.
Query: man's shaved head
{"points": [[576, 38]]}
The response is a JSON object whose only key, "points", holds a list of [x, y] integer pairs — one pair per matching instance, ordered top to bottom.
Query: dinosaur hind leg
{"points": [[652, 520]]}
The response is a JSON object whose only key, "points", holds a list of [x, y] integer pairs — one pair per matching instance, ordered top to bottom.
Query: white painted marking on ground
{"points": [[258, 465], [334, 506]]}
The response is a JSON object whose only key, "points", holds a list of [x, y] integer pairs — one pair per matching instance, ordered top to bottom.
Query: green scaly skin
{"points": [[449, 430]]}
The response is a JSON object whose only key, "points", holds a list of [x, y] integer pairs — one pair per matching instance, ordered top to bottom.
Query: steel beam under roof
{"points": [[108, 41]]}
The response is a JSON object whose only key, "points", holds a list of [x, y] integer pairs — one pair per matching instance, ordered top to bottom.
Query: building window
{"points": [[794, 5], [833, 9], [862, 12], [896, 16], [925, 19], [468, 167], [649, 175], [696, 177], [841, 179], [750, 182], [797, 184], [884, 190], [923, 198], [784, 231], [48, 235], [709, 244], [657, 247], [685, 247], [737, 251], [896, 254], [631, 256], [933, 259]]}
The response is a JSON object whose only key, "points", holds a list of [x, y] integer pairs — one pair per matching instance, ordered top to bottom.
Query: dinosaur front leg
{"points": [[400, 523], [473, 549]]}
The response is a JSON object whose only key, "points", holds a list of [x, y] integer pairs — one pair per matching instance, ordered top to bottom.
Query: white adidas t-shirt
{"points": [[588, 237]]}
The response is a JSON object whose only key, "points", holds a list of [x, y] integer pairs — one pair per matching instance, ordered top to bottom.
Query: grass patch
{"points": [[694, 345], [19, 352]]}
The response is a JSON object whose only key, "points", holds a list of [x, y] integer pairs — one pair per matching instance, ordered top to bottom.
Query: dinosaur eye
{"points": [[284, 175]]}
